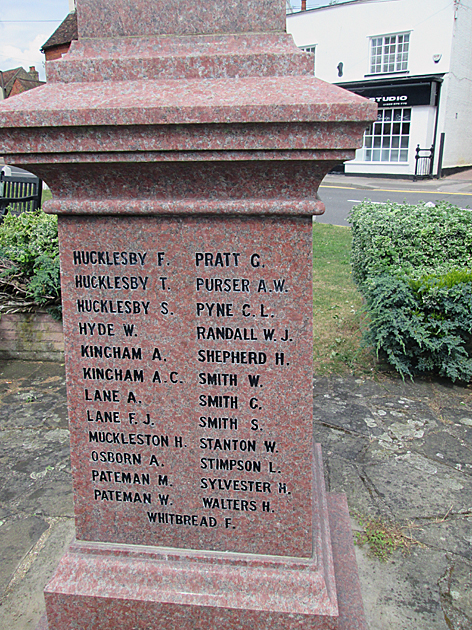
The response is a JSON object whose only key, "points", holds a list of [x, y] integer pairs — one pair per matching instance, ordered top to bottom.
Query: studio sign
{"points": [[420, 93], [390, 99]]}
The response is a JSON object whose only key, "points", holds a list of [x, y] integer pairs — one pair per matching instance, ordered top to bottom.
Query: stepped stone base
{"points": [[87, 592]]}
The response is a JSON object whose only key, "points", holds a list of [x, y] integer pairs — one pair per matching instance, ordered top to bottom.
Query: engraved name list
{"points": [[181, 351]]}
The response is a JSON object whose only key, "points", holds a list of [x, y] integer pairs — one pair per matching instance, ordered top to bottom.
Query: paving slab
{"points": [[412, 487], [453, 535], [17, 537], [455, 589], [403, 593], [22, 604]]}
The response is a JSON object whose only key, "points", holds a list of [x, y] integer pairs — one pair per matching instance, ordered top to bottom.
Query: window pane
{"points": [[402, 52], [389, 53], [376, 56], [375, 67], [387, 144]]}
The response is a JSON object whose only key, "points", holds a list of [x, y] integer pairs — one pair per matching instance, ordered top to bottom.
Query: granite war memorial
{"points": [[184, 144]]}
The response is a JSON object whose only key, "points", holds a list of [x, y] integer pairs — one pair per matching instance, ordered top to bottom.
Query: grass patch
{"points": [[47, 194], [336, 306], [383, 538]]}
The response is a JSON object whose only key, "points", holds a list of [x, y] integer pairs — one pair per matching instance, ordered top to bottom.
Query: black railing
{"points": [[424, 163], [19, 192]]}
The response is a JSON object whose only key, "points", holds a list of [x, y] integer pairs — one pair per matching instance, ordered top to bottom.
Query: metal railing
{"points": [[424, 160], [19, 192]]}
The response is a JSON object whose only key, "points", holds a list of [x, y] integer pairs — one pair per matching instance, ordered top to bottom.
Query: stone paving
{"points": [[402, 452]]}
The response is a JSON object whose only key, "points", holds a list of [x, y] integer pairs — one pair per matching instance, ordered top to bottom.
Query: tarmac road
{"points": [[341, 192]]}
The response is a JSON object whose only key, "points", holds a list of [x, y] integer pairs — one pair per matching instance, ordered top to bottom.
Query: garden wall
{"points": [[31, 337]]}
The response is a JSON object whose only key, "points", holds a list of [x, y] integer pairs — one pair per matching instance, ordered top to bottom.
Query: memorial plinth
{"points": [[184, 144]]}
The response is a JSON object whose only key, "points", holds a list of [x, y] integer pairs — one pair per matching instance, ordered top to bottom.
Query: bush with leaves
{"points": [[413, 240], [29, 263], [413, 266]]}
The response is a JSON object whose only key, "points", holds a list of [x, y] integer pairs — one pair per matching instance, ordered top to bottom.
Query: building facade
{"points": [[59, 43], [412, 57], [18, 80]]}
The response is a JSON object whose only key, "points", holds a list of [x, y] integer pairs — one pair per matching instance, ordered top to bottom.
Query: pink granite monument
{"points": [[184, 144]]}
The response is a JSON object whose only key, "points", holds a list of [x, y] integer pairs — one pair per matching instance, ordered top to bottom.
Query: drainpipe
{"points": [[303, 5], [4, 92], [435, 136]]}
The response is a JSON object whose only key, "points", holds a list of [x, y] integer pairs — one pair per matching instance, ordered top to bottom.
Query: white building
{"points": [[414, 57]]}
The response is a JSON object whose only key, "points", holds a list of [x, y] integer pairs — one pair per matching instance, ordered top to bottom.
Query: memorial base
{"points": [[106, 587]]}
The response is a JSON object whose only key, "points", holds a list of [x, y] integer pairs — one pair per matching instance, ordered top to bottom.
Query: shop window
{"points": [[389, 53], [388, 139]]}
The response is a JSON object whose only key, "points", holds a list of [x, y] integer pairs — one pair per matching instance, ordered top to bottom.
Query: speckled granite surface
{"points": [[139, 18]]}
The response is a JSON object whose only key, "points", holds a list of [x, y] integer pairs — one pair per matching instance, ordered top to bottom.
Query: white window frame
{"points": [[389, 53], [387, 140]]}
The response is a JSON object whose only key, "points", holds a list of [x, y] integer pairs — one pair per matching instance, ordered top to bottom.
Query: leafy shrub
{"points": [[416, 240], [29, 262], [413, 265], [422, 327]]}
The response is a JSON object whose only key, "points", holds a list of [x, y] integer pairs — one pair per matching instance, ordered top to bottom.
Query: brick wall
{"points": [[57, 52], [31, 337]]}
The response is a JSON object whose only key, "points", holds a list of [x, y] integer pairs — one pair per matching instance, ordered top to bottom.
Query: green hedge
{"points": [[29, 260], [413, 266]]}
